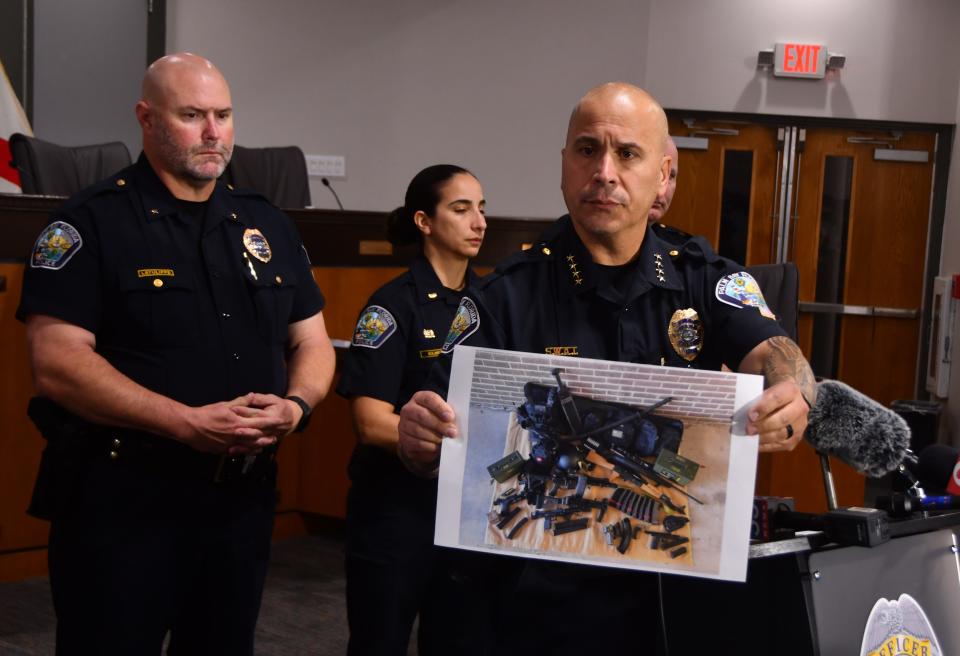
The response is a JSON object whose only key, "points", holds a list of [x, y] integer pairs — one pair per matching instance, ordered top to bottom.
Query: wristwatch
{"points": [[305, 418]]}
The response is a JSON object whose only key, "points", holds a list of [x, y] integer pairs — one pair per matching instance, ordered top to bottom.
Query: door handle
{"points": [[859, 310]]}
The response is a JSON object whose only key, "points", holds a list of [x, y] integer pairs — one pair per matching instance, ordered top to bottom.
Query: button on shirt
{"points": [[193, 307]]}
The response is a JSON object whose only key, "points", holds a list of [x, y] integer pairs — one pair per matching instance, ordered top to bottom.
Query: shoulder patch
{"points": [[58, 242], [741, 290], [465, 323], [374, 328]]}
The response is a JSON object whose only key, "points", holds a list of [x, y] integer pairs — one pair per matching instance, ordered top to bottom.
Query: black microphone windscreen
{"points": [[856, 429], [935, 467]]}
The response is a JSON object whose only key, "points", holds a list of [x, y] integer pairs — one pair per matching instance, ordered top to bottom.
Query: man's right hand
{"points": [[424, 421]]}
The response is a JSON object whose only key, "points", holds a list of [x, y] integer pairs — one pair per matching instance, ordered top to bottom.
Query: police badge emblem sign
{"points": [[58, 242], [257, 245], [741, 290], [465, 323], [374, 328], [686, 333], [899, 627]]}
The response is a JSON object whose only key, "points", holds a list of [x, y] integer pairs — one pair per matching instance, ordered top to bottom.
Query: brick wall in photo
{"points": [[499, 377]]}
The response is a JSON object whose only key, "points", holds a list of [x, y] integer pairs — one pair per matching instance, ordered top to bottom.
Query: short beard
{"points": [[178, 160]]}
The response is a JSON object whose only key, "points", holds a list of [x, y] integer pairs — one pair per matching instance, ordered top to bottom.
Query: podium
{"points": [[805, 596]]}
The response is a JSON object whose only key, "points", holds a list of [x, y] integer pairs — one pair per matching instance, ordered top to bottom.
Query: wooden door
{"points": [[726, 191], [859, 239]]}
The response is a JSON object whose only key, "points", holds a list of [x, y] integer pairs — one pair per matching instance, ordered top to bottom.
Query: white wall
{"points": [[88, 62], [901, 63], [396, 86]]}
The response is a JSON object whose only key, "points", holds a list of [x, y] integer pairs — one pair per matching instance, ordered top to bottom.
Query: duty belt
{"points": [[164, 456]]}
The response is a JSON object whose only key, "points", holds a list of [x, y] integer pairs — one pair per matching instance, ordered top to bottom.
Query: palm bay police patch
{"points": [[58, 242], [257, 245], [741, 290], [465, 323], [374, 328], [899, 627]]}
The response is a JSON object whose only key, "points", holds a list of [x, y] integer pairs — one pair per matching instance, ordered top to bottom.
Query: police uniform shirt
{"points": [[553, 299], [682, 305], [196, 310], [395, 344]]}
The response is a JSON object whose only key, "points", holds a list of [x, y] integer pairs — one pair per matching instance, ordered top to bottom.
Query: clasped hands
{"points": [[242, 426]]}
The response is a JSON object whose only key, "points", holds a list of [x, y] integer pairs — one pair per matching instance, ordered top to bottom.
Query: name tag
{"points": [[153, 273]]}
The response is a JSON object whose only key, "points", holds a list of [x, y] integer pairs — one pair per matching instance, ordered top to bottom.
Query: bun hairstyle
{"points": [[423, 195]]}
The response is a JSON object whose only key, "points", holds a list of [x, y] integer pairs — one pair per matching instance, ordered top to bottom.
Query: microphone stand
{"points": [[828, 486]]}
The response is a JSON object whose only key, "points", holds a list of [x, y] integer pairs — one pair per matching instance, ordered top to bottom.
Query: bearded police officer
{"points": [[600, 284], [176, 335]]}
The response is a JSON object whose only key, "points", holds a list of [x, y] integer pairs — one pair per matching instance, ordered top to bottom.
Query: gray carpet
{"points": [[303, 611]]}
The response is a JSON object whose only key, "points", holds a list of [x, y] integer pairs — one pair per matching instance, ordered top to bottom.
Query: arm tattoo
{"points": [[786, 362]]}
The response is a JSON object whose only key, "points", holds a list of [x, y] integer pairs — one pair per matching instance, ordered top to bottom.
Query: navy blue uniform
{"points": [[554, 299], [192, 301], [393, 570]]}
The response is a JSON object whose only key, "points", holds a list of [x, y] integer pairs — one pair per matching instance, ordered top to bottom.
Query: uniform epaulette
{"points": [[112, 185], [244, 192], [671, 235], [686, 245], [539, 252]]}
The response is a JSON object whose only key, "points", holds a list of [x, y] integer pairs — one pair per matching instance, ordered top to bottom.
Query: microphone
{"points": [[326, 183], [851, 426], [938, 469], [901, 505]]}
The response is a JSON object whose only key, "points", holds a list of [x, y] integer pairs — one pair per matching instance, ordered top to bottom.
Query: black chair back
{"points": [[53, 170], [278, 173]]}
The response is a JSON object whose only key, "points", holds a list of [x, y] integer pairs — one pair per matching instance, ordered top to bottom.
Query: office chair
{"points": [[53, 170], [278, 173]]}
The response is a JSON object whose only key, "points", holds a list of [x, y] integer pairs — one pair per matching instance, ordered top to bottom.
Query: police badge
{"points": [[257, 245], [465, 323], [686, 333], [899, 626]]}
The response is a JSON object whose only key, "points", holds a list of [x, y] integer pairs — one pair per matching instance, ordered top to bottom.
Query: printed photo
{"points": [[607, 463]]}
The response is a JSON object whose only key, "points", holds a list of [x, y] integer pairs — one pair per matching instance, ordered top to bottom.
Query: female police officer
{"points": [[393, 570]]}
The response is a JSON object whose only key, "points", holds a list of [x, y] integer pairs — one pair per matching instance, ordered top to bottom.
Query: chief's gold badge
{"points": [[257, 245], [686, 333]]}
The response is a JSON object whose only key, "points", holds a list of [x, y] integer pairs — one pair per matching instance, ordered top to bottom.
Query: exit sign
{"points": [[800, 60]]}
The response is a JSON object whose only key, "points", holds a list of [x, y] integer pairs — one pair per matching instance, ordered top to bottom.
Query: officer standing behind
{"points": [[662, 202], [600, 284], [176, 335], [394, 572]]}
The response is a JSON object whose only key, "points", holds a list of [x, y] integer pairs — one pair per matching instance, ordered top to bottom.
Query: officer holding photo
{"points": [[601, 284]]}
